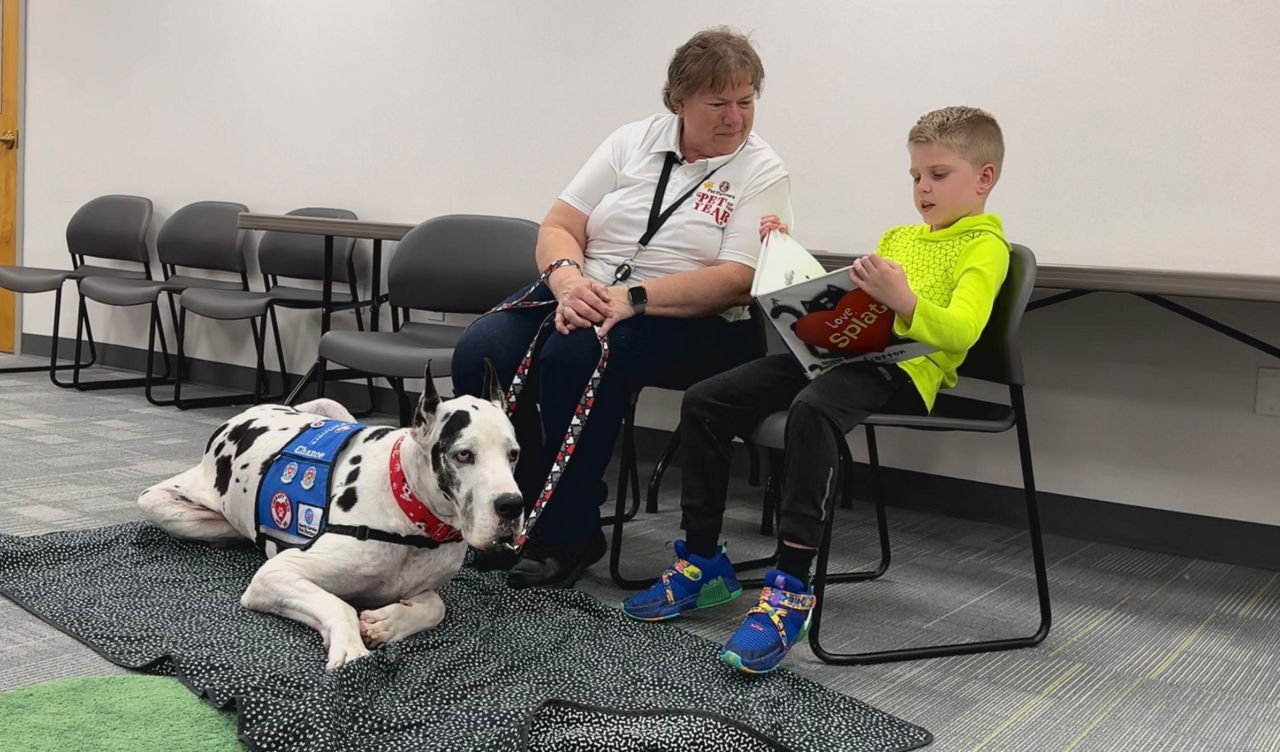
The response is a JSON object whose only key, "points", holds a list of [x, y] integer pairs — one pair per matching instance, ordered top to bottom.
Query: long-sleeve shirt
{"points": [[955, 274]]}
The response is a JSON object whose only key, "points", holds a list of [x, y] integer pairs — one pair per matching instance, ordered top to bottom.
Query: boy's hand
{"points": [[769, 223], [885, 281]]}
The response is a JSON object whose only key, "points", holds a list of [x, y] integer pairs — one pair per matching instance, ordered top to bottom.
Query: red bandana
{"points": [[414, 508]]}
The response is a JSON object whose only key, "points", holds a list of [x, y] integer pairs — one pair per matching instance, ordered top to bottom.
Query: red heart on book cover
{"points": [[857, 325]]}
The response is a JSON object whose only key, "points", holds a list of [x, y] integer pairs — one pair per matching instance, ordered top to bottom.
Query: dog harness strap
{"points": [[581, 412], [413, 507], [364, 532]]}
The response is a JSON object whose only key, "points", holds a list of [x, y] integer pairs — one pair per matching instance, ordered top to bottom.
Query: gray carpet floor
{"points": [[1148, 651]]}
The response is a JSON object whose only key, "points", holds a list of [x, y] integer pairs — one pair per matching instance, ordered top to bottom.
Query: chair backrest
{"points": [[111, 227], [204, 235], [291, 254], [462, 263], [997, 356]]}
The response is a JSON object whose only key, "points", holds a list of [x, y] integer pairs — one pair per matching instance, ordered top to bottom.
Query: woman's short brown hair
{"points": [[712, 59]]}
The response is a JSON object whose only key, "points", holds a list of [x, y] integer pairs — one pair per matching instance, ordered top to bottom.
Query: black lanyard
{"points": [[657, 217]]}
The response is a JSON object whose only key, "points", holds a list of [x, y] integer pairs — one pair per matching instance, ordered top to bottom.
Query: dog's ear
{"points": [[493, 386], [427, 404]]}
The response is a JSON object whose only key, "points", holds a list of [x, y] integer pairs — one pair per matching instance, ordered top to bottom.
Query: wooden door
{"points": [[9, 144]]}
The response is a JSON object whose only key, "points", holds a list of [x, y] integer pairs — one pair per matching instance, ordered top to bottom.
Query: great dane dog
{"points": [[456, 460]]}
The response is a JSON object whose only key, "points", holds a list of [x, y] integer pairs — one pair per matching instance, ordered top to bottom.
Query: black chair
{"points": [[108, 227], [202, 236], [280, 254], [461, 264], [997, 358]]}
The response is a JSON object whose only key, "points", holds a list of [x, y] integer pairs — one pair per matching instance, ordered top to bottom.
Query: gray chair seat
{"points": [[31, 279], [38, 279], [121, 291], [304, 297], [225, 305], [403, 354], [950, 413]]}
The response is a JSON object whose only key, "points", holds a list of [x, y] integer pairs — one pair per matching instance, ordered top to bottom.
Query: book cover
{"points": [[822, 317]]}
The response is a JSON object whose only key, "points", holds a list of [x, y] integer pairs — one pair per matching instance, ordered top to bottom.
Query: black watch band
{"points": [[638, 297]]}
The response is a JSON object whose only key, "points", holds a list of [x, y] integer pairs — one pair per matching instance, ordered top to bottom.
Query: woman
{"points": [[655, 242]]}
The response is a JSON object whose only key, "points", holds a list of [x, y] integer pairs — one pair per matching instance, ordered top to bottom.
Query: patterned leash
{"points": [[580, 414]]}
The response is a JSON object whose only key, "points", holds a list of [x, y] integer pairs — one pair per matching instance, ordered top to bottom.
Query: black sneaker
{"points": [[544, 564]]}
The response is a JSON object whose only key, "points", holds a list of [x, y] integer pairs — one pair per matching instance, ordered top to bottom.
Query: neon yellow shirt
{"points": [[955, 274]]}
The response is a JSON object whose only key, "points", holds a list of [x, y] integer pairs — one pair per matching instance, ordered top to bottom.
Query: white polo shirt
{"points": [[720, 221]]}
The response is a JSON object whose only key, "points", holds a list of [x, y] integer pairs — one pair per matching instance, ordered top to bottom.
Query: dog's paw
{"points": [[380, 626], [345, 649]]}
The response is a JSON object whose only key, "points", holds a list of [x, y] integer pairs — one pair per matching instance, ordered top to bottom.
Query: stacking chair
{"points": [[108, 227], [202, 235], [280, 254], [460, 263], [996, 358]]}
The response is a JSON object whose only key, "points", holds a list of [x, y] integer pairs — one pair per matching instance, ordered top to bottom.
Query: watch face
{"points": [[638, 295]]}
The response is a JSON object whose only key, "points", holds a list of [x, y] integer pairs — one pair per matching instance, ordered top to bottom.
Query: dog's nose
{"points": [[509, 505]]}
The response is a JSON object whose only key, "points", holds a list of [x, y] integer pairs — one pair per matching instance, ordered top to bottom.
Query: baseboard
{"points": [[221, 375], [1198, 536], [1249, 544]]}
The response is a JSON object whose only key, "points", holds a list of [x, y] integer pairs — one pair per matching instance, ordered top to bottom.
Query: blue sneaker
{"points": [[691, 583], [779, 620]]}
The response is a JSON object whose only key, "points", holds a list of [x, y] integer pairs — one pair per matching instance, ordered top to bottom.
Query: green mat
{"points": [[110, 713]]}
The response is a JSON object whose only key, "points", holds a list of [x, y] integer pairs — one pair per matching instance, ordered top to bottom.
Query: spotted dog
{"points": [[454, 463]]}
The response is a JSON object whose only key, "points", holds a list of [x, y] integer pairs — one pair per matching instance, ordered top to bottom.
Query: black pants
{"points": [[731, 404]]}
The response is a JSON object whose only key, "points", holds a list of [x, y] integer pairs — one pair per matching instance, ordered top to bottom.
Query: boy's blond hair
{"points": [[972, 132]]}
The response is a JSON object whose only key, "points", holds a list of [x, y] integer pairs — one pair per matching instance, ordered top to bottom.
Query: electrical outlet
{"points": [[1268, 392]]}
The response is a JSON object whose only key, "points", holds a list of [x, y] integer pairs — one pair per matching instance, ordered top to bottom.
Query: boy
{"points": [[940, 278]]}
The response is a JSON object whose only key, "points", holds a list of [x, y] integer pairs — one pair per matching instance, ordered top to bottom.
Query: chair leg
{"points": [[275, 331], [53, 367], [321, 368], [148, 379], [402, 399], [753, 464], [660, 470], [628, 472], [772, 493], [820, 580]]}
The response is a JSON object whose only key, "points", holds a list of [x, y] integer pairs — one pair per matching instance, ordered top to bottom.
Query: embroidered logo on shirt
{"points": [[715, 200]]}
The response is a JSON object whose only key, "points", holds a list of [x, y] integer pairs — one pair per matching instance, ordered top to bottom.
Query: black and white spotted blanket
{"points": [[507, 670]]}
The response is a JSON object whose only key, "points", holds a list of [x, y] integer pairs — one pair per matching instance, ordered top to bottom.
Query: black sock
{"points": [[704, 543], [796, 562]]}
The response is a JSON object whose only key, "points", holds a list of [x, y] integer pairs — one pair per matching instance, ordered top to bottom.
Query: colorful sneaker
{"points": [[691, 583], [779, 620]]}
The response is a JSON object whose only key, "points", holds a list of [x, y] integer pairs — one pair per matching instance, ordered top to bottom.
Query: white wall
{"points": [[1136, 136]]}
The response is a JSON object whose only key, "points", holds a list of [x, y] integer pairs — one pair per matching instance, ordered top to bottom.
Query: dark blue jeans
{"points": [[643, 351]]}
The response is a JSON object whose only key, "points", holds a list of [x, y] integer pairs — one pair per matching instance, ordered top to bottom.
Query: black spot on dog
{"points": [[376, 433], [244, 435], [214, 436], [221, 444], [356, 460], [266, 465], [245, 466], [446, 473], [351, 477], [222, 480], [183, 498], [347, 499]]}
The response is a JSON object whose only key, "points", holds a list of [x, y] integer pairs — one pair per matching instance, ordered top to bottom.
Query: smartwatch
{"points": [[638, 298]]}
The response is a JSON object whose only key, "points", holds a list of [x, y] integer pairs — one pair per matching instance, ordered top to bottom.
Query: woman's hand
{"points": [[769, 223], [885, 281], [581, 302], [621, 308]]}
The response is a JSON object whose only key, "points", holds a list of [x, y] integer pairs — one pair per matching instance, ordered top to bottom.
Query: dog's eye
{"points": [[513, 456], [464, 457]]}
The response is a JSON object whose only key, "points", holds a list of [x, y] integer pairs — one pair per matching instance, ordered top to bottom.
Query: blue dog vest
{"points": [[293, 495]]}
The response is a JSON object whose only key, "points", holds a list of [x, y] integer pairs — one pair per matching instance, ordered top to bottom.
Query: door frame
{"points": [[12, 69]]}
